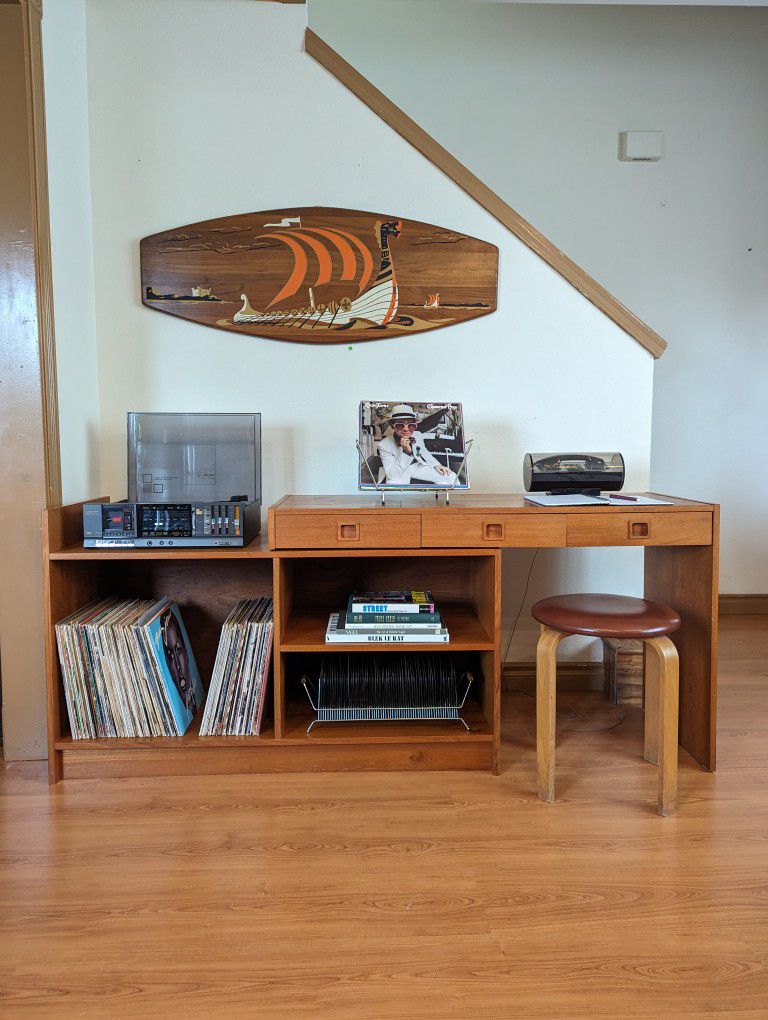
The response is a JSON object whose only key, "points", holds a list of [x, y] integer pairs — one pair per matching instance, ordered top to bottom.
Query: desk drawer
{"points": [[691, 528], [450, 529], [347, 530]]}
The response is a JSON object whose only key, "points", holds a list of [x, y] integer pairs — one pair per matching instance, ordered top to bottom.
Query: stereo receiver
{"points": [[170, 524]]}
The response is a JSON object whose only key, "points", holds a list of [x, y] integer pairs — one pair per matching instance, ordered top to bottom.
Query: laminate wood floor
{"points": [[400, 895]]}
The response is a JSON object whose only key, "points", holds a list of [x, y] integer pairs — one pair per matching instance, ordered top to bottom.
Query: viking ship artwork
{"points": [[319, 275]]}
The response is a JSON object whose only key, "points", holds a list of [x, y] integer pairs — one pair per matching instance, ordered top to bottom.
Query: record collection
{"points": [[389, 617], [128, 670], [387, 687], [236, 696]]}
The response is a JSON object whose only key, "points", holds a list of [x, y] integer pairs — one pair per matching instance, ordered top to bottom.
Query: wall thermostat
{"points": [[640, 146]]}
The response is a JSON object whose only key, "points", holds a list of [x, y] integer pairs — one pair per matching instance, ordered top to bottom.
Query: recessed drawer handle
{"points": [[639, 529], [493, 531], [348, 533]]}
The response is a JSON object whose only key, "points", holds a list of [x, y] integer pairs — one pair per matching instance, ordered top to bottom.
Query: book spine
{"points": [[392, 607], [387, 620], [399, 628], [383, 637]]}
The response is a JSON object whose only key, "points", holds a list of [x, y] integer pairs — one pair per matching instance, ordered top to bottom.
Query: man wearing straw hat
{"points": [[404, 454]]}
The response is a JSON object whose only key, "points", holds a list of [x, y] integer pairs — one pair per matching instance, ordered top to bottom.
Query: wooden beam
{"points": [[32, 13], [481, 193], [29, 449]]}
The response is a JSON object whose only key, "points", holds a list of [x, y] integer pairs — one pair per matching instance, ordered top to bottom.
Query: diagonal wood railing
{"points": [[408, 129]]}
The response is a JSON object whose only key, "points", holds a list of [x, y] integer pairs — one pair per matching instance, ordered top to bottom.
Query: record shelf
{"points": [[306, 585]]}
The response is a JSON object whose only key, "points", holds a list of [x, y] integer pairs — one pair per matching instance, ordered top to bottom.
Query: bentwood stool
{"points": [[612, 616]]}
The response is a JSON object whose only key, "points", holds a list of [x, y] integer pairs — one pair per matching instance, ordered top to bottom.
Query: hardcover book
{"points": [[391, 602], [392, 621], [336, 633]]}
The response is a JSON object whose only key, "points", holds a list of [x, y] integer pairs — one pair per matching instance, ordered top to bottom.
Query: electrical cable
{"points": [[520, 609], [570, 712]]}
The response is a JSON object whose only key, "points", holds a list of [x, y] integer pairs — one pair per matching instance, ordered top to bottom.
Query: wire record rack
{"points": [[387, 687]]}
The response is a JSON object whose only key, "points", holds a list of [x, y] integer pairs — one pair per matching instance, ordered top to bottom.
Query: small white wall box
{"points": [[640, 146]]}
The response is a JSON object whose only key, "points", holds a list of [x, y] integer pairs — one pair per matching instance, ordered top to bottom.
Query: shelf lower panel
{"points": [[330, 747], [409, 755]]}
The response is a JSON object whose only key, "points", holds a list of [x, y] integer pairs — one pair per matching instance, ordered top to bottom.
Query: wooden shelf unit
{"points": [[321, 548], [306, 587]]}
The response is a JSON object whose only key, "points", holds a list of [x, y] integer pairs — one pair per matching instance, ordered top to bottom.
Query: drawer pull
{"points": [[639, 529], [494, 532], [348, 533]]}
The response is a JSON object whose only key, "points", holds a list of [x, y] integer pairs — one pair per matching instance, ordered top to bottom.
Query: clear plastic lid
{"points": [[193, 457], [571, 462], [570, 470]]}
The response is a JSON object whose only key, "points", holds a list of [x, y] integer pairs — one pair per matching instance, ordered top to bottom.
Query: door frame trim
{"points": [[32, 16]]}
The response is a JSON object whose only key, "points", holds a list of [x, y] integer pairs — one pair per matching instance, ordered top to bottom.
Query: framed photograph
{"points": [[412, 445]]}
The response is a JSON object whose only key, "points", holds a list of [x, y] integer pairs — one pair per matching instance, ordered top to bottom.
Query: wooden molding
{"points": [[33, 58], [481, 193], [743, 605], [622, 663], [571, 676]]}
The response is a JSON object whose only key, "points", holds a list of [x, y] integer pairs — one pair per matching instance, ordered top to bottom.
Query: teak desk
{"points": [[319, 549]]}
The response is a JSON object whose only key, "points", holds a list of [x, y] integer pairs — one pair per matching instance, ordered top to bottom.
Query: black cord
{"points": [[520, 609]]}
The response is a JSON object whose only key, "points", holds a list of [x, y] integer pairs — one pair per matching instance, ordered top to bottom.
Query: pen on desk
{"points": [[619, 495]]}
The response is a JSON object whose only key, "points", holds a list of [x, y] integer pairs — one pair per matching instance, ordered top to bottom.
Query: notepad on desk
{"points": [[580, 499]]}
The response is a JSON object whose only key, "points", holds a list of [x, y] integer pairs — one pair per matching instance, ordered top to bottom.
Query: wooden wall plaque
{"points": [[317, 275]]}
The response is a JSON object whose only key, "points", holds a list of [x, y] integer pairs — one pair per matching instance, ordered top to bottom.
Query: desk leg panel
{"points": [[686, 578], [489, 603]]}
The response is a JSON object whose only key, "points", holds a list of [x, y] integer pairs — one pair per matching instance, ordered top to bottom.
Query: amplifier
{"points": [[170, 524]]}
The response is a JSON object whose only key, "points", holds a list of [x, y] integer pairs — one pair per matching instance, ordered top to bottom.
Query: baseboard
{"points": [[743, 605], [625, 658], [571, 676]]}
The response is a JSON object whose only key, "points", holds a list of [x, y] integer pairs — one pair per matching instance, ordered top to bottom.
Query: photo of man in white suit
{"points": [[404, 454]]}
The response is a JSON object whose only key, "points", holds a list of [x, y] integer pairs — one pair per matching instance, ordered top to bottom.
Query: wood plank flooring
{"points": [[400, 895]]}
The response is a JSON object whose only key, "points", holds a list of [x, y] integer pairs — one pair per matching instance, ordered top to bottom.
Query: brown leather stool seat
{"points": [[606, 616], [612, 616]]}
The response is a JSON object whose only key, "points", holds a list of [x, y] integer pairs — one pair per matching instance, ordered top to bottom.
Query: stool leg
{"points": [[666, 657], [546, 684], [651, 705]]}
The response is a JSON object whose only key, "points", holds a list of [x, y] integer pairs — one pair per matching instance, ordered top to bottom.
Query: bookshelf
{"points": [[306, 585]]}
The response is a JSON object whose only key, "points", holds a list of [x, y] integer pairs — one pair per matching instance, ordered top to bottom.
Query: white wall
{"points": [[532, 99], [66, 100], [202, 108]]}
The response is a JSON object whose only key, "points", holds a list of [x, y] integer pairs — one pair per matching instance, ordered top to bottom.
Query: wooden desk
{"points": [[318, 549], [681, 564]]}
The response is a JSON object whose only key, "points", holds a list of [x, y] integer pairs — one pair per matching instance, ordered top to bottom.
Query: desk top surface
{"points": [[475, 501]]}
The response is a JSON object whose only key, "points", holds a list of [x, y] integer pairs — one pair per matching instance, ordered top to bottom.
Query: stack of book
{"points": [[391, 617], [128, 670], [236, 697]]}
